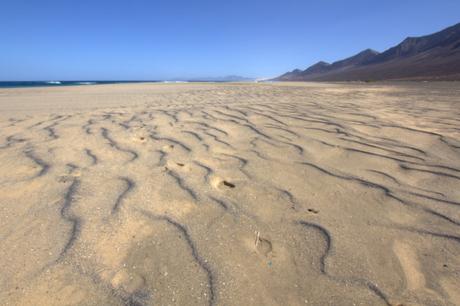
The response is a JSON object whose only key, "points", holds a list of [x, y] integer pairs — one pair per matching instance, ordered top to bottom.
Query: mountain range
{"points": [[431, 57]]}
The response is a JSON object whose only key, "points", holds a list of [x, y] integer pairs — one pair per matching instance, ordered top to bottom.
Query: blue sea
{"points": [[15, 84]]}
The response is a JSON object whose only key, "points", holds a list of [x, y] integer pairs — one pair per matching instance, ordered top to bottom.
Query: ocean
{"points": [[15, 84]]}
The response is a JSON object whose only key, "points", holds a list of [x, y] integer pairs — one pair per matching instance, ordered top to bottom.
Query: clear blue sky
{"points": [[132, 39]]}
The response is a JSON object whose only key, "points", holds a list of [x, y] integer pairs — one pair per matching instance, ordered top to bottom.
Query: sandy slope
{"points": [[231, 194]]}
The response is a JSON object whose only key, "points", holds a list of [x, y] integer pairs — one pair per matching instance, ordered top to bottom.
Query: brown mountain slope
{"points": [[435, 56]]}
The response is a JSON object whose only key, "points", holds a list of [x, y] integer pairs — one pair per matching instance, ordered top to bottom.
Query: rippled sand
{"points": [[230, 194]]}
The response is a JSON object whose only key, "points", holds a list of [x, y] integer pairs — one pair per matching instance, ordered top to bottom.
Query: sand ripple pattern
{"points": [[230, 194]]}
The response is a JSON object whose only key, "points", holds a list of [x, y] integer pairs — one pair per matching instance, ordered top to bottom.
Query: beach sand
{"points": [[230, 194]]}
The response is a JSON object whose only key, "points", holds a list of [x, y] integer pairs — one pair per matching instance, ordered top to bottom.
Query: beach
{"points": [[230, 194]]}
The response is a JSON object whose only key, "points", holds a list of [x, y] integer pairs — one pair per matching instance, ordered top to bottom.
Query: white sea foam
{"points": [[53, 82]]}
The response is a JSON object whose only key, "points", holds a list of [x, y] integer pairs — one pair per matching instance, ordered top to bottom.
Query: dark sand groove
{"points": [[231, 116], [124, 125], [87, 126], [283, 129], [51, 130], [198, 137], [216, 139], [171, 140], [10, 141], [114, 144], [400, 145], [383, 149], [375, 154], [94, 159], [162, 159], [44, 167], [72, 167], [404, 167], [208, 170], [393, 179], [180, 182], [129, 185], [386, 191], [289, 196], [433, 198], [220, 202], [67, 215], [454, 238], [327, 240], [201, 262], [323, 265]]}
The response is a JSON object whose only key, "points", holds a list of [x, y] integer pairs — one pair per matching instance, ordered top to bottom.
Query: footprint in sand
{"points": [[141, 139], [167, 148], [178, 166], [73, 172], [65, 178], [220, 183], [263, 246], [413, 274], [129, 282]]}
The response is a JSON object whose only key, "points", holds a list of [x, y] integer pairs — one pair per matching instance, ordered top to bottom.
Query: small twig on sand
{"points": [[257, 238]]}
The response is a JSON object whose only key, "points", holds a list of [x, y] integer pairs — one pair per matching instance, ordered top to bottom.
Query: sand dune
{"points": [[230, 194]]}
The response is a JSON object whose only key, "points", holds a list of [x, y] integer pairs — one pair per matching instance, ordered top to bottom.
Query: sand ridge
{"points": [[230, 194]]}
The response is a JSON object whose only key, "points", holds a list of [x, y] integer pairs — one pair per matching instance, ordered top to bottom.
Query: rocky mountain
{"points": [[435, 56]]}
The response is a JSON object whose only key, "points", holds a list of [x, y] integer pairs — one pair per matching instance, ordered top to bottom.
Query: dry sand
{"points": [[230, 194]]}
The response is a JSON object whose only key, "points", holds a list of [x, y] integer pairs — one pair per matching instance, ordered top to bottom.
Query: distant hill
{"points": [[435, 56], [228, 78]]}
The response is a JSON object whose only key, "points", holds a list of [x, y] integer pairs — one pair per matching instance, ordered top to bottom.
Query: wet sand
{"points": [[230, 194]]}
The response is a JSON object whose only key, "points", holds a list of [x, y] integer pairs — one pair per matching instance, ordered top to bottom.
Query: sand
{"points": [[230, 194]]}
